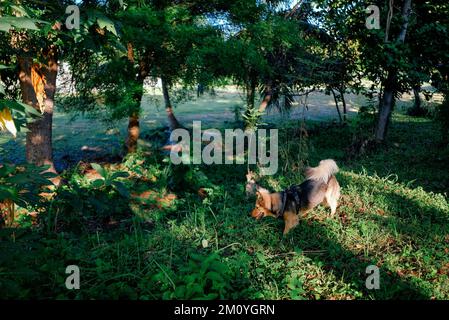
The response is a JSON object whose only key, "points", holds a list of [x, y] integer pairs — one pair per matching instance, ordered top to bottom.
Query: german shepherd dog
{"points": [[320, 186]]}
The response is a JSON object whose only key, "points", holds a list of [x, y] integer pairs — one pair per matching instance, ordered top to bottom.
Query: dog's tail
{"points": [[326, 169]]}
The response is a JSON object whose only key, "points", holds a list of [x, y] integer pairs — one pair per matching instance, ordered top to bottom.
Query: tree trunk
{"points": [[406, 9], [38, 86], [416, 90], [250, 93], [266, 98], [343, 100], [387, 103], [336, 105], [386, 106], [133, 120], [172, 121], [133, 133]]}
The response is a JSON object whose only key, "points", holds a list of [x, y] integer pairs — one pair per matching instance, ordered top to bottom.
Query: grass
{"points": [[394, 213]]}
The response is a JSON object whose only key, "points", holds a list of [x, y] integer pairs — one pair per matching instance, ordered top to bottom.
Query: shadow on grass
{"points": [[413, 154], [408, 215], [413, 218], [422, 222], [351, 268]]}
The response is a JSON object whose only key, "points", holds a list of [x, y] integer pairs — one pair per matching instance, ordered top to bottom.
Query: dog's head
{"points": [[263, 204]]}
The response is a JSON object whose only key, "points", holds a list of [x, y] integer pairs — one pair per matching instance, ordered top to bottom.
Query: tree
{"points": [[136, 25], [182, 32], [155, 39], [274, 51], [35, 52], [102, 53], [385, 57], [391, 81], [133, 122], [18, 184]]}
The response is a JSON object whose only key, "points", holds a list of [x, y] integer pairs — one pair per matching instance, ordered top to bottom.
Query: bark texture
{"points": [[38, 87], [266, 98], [133, 120], [172, 121]]}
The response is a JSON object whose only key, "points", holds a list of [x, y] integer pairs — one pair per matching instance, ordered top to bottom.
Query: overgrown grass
{"points": [[393, 213]]}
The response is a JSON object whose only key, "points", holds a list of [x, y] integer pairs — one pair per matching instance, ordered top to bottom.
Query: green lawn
{"points": [[394, 213]]}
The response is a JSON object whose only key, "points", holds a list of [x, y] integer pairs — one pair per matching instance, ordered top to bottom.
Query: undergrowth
{"points": [[150, 230]]}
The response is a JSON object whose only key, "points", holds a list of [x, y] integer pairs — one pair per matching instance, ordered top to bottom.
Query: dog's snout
{"points": [[256, 214]]}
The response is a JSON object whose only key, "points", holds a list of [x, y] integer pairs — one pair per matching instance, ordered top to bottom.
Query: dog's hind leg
{"points": [[332, 195], [332, 202]]}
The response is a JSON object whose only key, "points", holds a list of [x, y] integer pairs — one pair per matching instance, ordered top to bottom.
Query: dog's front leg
{"points": [[291, 220]]}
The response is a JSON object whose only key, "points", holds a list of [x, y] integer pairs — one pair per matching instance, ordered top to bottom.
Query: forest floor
{"points": [[185, 231]]}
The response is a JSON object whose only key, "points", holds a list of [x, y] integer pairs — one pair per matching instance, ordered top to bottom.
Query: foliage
{"points": [[18, 114], [252, 118], [110, 180], [22, 184], [82, 206], [202, 277]]}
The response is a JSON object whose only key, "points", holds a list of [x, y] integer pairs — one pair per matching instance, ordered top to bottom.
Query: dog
{"points": [[320, 186]]}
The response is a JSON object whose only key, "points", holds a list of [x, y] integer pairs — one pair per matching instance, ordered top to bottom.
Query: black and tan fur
{"points": [[320, 186]]}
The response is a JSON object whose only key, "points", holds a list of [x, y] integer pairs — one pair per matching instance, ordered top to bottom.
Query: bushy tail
{"points": [[326, 169]]}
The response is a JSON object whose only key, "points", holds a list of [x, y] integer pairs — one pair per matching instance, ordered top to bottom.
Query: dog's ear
{"points": [[264, 195]]}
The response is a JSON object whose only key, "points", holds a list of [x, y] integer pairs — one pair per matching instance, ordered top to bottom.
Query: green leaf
{"points": [[22, 10], [105, 22], [23, 23], [4, 25], [21, 107], [29, 109], [6, 170], [101, 171], [119, 174], [49, 175], [19, 179], [98, 183], [121, 189], [6, 193], [214, 276], [180, 292], [210, 296]]}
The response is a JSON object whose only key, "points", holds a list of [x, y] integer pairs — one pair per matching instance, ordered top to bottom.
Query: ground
{"points": [[185, 232]]}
